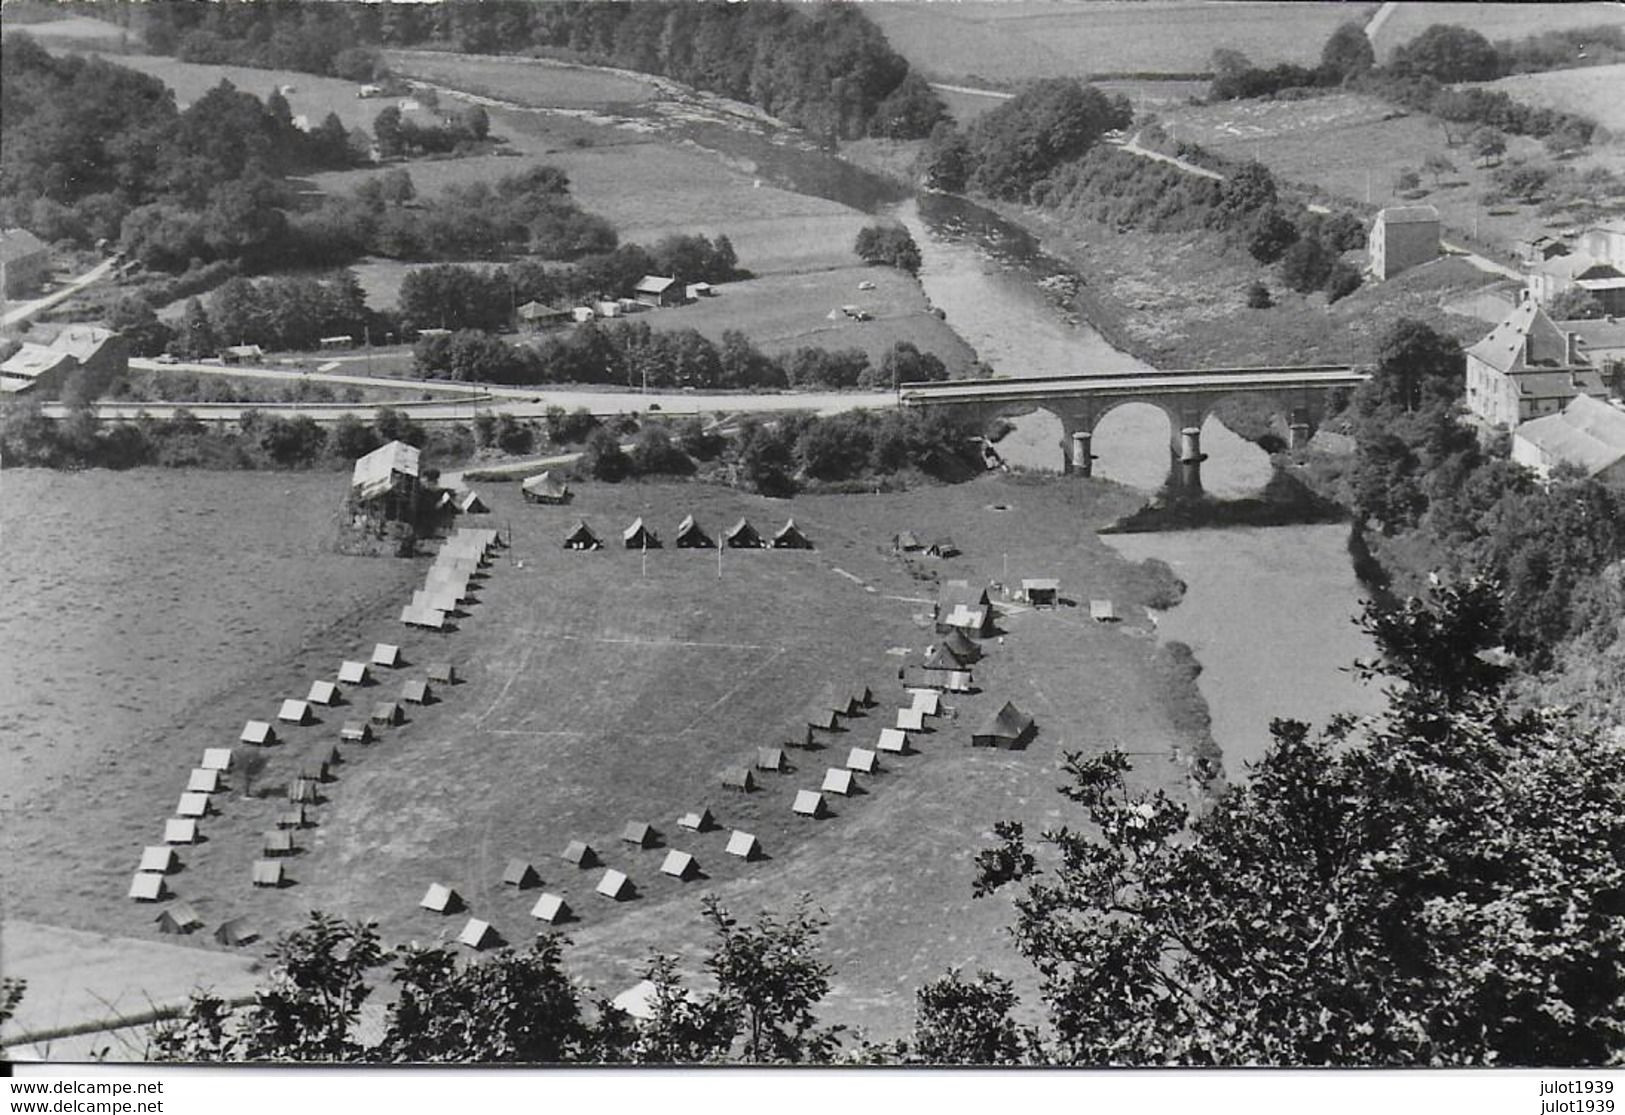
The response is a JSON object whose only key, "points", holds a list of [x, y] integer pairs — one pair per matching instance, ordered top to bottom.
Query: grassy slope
{"points": [[1493, 21], [593, 697]]}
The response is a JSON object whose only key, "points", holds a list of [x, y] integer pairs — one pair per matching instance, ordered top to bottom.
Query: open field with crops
{"points": [[1494, 21], [1057, 38], [593, 694]]}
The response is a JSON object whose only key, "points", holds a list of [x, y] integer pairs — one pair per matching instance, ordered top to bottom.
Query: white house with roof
{"points": [[1403, 236], [1526, 367], [1588, 434]]}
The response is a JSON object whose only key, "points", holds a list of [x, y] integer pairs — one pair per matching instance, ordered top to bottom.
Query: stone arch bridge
{"points": [[1187, 397]]}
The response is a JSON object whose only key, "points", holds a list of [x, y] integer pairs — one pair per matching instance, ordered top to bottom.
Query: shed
{"points": [[658, 290], [544, 487], [692, 536], [742, 536], [581, 537], [639, 537], [789, 537], [1041, 591], [1102, 611], [386, 654], [443, 672], [354, 673], [416, 691], [322, 693], [295, 712], [387, 713], [911, 720], [1008, 727], [356, 731], [258, 732], [216, 758], [769, 758], [861, 759], [738, 778], [837, 780], [202, 781], [810, 803], [193, 805], [698, 821], [180, 830], [640, 834], [277, 842], [744, 845], [580, 853], [157, 857], [679, 865], [269, 873], [521, 874], [614, 885], [147, 887], [440, 899], [551, 908], [178, 918], [234, 932], [477, 934]]}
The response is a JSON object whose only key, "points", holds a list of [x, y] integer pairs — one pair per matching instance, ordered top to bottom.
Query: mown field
{"points": [[1494, 21], [1055, 38], [1592, 92], [594, 695]]}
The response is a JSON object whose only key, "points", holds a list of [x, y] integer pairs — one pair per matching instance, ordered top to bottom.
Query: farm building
{"points": [[1402, 236], [1605, 240], [25, 262], [1604, 280], [658, 290], [536, 316], [237, 354], [91, 355], [1526, 367], [38, 369], [1588, 434], [545, 488], [387, 503], [692, 536], [741, 536], [581, 537], [639, 537], [789, 537], [966, 619], [1009, 727], [744, 845], [550, 908]]}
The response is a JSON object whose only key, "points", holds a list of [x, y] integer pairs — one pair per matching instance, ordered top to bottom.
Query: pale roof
{"points": [[1409, 215], [1576, 266], [654, 284], [1601, 335], [1527, 340], [82, 341], [30, 362], [1588, 432], [373, 472], [545, 484], [1048, 584]]}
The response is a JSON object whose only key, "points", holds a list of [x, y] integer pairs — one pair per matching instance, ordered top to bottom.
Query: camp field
{"points": [[1012, 43], [594, 694]]}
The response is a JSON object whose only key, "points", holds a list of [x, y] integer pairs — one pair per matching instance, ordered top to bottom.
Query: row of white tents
{"points": [[691, 535]]}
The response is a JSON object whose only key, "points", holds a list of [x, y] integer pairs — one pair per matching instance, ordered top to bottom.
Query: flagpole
{"points": [[646, 554], [719, 561]]}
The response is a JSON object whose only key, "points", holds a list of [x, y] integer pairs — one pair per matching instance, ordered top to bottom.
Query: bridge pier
{"points": [[1300, 428], [1188, 458], [1083, 461]]}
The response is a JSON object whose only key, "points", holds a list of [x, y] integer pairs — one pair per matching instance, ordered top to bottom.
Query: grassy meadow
{"points": [[1492, 20], [593, 694]]}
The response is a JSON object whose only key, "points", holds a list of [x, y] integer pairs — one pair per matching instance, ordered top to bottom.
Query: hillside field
{"points": [[1494, 21], [1592, 92], [593, 695]]}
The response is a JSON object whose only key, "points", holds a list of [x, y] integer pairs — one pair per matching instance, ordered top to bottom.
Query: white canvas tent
{"points": [[1102, 611], [386, 654], [353, 673], [322, 693], [927, 702], [295, 712], [911, 719], [356, 731], [257, 732], [893, 740], [216, 758], [861, 759], [202, 781], [837, 781], [809, 803], [193, 805], [698, 821], [180, 830], [744, 845], [580, 853], [157, 857], [679, 865], [269, 873], [614, 885], [147, 887], [439, 899], [550, 908], [477, 934]]}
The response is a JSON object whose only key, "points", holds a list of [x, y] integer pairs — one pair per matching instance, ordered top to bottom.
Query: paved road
{"points": [[994, 93], [21, 313]]}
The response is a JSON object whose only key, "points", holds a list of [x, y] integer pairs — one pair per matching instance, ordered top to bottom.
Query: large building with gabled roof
{"points": [[1527, 367]]}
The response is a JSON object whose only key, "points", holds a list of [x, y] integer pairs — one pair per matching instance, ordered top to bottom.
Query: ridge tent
{"points": [[545, 488], [471, 504], [691, 536], [742, 536], [581, 537], [639, 537], [789, 537], [905, 542], [944, 547], [1102, 611], [427, 618], [962, 648], [386, 654], [443, 672], [353, 673], [954, 681], [416, 692], [322, 693], [862, 696], [838, 701], [927, 702], [295, 712], [386, 712], [824, 719], [911, 719], [1007, 727], [356, 731], [258, 732], [893, 740], [216, 758], [769, 758], [861, 759], [739, 778], [202, 781], [837, 781], [302, 791], [809, 803], [193, 805], [294, 818], [700, 821], [180, 830], [638, 833], [277, 842], [744, 845], [580, 853], [157, 857], [679, 865], [269, 873], [520, 874], [614, 885], [147, 887], [440, 899], [550, 908], [179, 918], [234, 932], [477, 934]]}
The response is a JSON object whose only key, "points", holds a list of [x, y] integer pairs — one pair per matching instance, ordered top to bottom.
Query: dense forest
{"points": [[824, 68]]}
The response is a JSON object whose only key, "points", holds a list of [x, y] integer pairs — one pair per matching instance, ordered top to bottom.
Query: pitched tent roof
{"points": [[374, 473], [545, 488], [470, 503], [638, 536], [692, 536], [741, 536], [581, 537], [789, 537], [905, 540], [942, 547], [1102, 611], [961, 646], [386, 654], [443, 672], [353, 673], [416, 691], [322, 693], [861, 694], [838, 699], [926, 701], [294, 711], [386, 712], [819, 716], [911, 719], [1008, 726], [257, 731], [356, 731], [894, 740], [216, 758], [769, 758], [861, 759], [738, 778], [837, 780], [302, 791], [809, 803], [193, 805], [292, 818], [698, 821], [180, 830], [639, 833], [277, 842], [744, 845], [580, 853], [157, 857], [679, 865], [268, 873], [520, 874], [613, 885], [147, 886], [439, 898], [550, 908], [179, 918], [234, 931], [477, 934]]}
